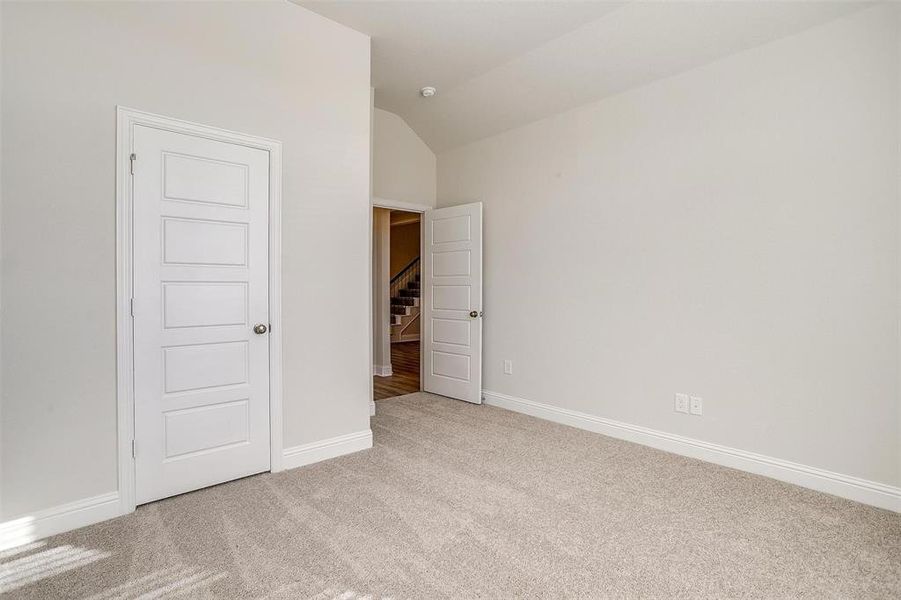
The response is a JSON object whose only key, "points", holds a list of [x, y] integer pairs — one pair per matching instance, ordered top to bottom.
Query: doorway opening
{"points": [[439, 292], [397, 302]]}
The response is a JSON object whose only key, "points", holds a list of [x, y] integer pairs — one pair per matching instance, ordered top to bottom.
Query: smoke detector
{"points": [[428, 91]]}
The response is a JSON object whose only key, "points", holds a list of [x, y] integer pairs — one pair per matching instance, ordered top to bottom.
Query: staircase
{"points": [[405, 294]]}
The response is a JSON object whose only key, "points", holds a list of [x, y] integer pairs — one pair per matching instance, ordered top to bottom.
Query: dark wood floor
{"points": [[405, 366]]}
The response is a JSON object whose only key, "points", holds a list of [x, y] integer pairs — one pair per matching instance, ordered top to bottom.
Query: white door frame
{"points": [[126, 120], [408, 207]]}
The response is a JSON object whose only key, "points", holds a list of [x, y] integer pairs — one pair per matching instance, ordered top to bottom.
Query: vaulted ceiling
{"points": [[498, 65]]}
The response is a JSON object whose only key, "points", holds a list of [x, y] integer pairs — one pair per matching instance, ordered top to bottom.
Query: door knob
{"points": [[473, 313], [260, 329]]}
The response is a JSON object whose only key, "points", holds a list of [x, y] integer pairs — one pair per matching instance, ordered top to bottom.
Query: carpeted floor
{"points": [[464, 501]]}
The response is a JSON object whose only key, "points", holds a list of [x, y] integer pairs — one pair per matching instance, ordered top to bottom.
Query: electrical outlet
{"points": [[508, 367], [681, 403], [696, 405]]}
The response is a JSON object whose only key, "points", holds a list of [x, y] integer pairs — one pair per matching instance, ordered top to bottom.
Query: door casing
{"points": [[126, 119]]}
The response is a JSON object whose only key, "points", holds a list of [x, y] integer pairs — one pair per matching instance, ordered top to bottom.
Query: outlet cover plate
{"points": [[681, 403], [696, 405]]}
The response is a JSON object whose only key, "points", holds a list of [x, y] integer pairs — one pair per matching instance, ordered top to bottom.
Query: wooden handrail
{"points": [[405, 269], [402, 279]]}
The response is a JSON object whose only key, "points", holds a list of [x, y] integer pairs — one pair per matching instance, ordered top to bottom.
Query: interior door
{"points": [[201, 284], [452, 288]]}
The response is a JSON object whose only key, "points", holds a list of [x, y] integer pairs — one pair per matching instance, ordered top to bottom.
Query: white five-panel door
{"points": [[201, 285], [452, 307]]}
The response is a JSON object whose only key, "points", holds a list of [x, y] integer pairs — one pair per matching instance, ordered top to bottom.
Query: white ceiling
{"points": [[498, 65]]}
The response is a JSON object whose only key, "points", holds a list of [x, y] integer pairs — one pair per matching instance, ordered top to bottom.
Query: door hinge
{"points": [[131, 162], [131, 306], [134, 450]]}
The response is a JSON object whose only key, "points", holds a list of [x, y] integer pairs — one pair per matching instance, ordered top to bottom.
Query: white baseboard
{"points": [[381, 370], [308, 454], [844, 486], [74, 515], [59, 519]]}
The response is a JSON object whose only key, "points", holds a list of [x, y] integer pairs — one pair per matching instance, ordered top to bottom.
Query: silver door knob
{"points": [[473, 313], [260, 329]]}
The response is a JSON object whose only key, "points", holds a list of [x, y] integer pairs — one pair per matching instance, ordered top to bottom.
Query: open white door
{"points": [[452, 310], [201, 312]]}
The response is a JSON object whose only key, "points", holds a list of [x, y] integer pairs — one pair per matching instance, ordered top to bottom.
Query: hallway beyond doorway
{"points": [[405, 368]]}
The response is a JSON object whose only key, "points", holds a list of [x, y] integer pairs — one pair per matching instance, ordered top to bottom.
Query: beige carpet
{"points": [[463, 501]]}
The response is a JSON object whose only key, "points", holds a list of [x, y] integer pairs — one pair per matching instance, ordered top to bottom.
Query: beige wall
{"points": [[266, 68], [404, 168], [730, 232], [404, 245], [1, 262]]}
